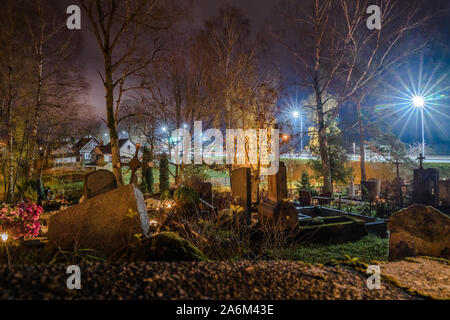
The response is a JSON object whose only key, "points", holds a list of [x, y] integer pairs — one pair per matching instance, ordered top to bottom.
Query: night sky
{"points": [[260, 12]]}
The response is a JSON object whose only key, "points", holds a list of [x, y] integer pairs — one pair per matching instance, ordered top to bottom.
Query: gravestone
{"points": [[98, 182], [277, 185], [426, 185], [378, 186], [386, 188], [204, 189], [241, 189], [351, 189], [370, 189], [397, 189], [255, 191], [444, 193], [305, 198], [275, 209], [104, 223], [419, 231]]}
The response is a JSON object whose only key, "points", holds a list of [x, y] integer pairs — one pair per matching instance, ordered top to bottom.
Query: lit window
{"points": [[87, 156]]}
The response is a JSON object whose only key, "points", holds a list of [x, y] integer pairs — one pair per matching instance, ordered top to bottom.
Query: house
{"points": [[85, 147], [91, 152], [102, 153], [72, 154], [65, 155]]}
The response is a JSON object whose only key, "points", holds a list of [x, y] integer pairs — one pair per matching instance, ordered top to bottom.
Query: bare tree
{"points": [[128, 35], [52, 47], [338, 55], [13, 69]]}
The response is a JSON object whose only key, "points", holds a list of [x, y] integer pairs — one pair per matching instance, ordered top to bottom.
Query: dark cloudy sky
{"points": [[258, 11]]}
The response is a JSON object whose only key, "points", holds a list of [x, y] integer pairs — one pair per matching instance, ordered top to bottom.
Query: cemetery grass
{"points": [[368, 249]]}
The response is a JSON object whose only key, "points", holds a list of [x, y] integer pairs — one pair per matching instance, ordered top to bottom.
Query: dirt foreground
{"points": [[226, 280]]}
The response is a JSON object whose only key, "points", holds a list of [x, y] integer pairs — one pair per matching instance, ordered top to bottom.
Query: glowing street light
{"points": [[419, 102], [295, 114]]}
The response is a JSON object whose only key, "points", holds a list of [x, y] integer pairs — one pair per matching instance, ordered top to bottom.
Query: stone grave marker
{"points": [[98, 182], [277, 185], [426, 185], [204, 189], [241, 189], [351, 189], [370, 189], [397, 189], [444, 192], [305, 198], [275, 209], [105, 223], [419, 231]]}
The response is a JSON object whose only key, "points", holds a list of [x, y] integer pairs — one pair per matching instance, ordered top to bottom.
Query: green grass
{"points": [[370, 248]]}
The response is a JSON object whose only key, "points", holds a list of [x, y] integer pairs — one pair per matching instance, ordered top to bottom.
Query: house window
{"points": [[87, 156]]}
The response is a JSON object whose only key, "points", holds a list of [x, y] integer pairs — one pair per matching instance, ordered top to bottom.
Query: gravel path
{"points": [[193, 280]]}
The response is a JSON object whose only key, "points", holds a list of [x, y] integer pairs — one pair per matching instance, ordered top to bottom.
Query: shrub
{"points": [[164, 183], [305, 184], [28, 190], [186, 197], [20, 221]]}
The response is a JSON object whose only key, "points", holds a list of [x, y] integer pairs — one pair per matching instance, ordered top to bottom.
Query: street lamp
{"points": [[419, 102], [296, 114]]}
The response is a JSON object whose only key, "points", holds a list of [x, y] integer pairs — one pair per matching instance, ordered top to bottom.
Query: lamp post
{"points": [[419, 102], [296, 114]]}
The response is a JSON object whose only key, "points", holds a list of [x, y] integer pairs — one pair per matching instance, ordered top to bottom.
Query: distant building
{"points": [[86, 146], [102, 153]]}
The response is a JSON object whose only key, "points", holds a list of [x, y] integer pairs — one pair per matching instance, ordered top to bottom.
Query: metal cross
{"points": [[421, 158]]}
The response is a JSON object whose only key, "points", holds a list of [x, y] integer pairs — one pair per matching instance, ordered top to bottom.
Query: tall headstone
{"points": [[98, 182], [277, 185], [397, 185], [426, 185], [241, 189], [351, 189], [370, 189], [397, 189], [444, 193], [275, 209]]}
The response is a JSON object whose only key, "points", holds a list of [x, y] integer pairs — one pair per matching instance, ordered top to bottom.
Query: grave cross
{"points": [[421, 158], [397, 163], [134, 164]]}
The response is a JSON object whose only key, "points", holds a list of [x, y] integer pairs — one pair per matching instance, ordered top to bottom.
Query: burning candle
{"points": [[4, 237]]}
